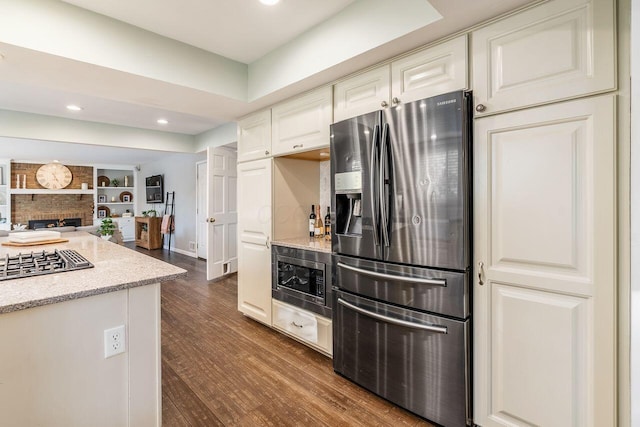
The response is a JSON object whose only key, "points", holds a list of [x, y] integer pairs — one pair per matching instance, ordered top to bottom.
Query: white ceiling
{"points": [[243, 30], [239, 31]]}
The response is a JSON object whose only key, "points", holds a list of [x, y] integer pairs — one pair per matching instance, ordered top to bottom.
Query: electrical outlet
{"points": [[192, 246], [114, 341]]}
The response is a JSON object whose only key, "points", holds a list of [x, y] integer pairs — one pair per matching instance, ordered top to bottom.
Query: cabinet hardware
{"points": [[395, 101], [384, 104], [481, 108], [298, 146], [266, 153], [480, 272], [295, 324]]}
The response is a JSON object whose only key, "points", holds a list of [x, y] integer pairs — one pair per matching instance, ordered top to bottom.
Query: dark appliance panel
{"points": [[354, 165], [428, 182], [302, 278], [436, 291], [413, 359]]}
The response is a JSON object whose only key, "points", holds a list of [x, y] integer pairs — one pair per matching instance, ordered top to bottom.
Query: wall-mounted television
{"points": [[155, 189]]}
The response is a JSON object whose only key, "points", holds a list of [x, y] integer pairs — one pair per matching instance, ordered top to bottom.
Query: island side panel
{"points": [[52, 366], [145, 393]]}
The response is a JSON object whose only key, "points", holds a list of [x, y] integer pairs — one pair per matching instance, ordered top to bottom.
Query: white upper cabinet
{"points": [[558, 50], [433, 71], [362, 94], [302, 123], [254, 136]]}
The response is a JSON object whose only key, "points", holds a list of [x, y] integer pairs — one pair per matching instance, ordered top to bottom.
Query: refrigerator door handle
{"points": [[375, 199], [384, 220], [423, 281], [393, 320]]}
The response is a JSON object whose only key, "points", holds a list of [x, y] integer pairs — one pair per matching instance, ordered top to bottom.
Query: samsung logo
{"points": [[450, 101]]}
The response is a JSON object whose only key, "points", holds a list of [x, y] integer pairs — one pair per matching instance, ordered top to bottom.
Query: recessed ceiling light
{"points": [[269, 2], [74, 108], [162, 121]]}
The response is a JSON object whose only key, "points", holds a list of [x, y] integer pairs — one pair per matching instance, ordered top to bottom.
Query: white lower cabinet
{"points": [[126, 225], [254, 231], [545, 258], [303, 325]]}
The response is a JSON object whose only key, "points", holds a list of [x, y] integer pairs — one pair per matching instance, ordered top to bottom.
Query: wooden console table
{"points": [[148, 232]]}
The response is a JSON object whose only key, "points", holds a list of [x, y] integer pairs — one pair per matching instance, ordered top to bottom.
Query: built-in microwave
{"points": [[302, 278]]}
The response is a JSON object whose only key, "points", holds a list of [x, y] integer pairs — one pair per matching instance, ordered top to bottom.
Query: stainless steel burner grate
{"points": [[37, 263]]}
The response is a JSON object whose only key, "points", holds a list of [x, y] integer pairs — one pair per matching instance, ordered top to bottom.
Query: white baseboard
{"points": [[183, 252]]}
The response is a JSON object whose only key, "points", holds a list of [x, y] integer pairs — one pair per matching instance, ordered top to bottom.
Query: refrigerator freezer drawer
{"points": [[424, 289], [417, 361]]}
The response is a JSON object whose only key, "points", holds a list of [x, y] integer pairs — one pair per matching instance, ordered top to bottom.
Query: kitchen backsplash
{"points": [[325, 186]]}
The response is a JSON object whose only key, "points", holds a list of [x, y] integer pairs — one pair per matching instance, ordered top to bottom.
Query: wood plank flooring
{"points": [[220, 368]]}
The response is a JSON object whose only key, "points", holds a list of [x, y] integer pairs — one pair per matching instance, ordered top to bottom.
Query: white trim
{"points": [[635, 215], [182, 251]]}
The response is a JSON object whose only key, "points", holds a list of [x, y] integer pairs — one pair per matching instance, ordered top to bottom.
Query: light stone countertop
{"points": [[308, 243], [116, 268]]}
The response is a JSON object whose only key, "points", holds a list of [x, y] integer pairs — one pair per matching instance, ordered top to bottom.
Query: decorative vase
{"points": [[106, 236]]}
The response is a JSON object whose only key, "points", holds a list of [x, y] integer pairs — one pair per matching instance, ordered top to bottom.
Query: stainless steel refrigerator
{"points": [[401, 237]]}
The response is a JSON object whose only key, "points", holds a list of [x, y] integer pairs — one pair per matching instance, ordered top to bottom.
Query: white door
{"points": [[222, 212], [201, 215], [254, 231], [545, 279]]}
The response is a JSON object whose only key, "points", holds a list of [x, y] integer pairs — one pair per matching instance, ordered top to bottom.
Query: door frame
{"points": [[198, 199]]}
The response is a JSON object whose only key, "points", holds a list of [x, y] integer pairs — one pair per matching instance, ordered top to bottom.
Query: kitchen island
{"points": [[53, 369]]}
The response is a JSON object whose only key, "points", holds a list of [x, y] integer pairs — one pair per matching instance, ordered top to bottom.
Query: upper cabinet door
{"points": [[558, 50], [434, 71], [361, 94], [302, 123], [254, 136]]}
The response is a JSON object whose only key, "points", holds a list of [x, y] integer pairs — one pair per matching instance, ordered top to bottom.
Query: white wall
{"points": [[338, 39], [179, 172]]}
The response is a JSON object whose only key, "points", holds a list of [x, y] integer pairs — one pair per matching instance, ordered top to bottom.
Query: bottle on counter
{"points": [[312, 221], [327, 224], [318, 229]]}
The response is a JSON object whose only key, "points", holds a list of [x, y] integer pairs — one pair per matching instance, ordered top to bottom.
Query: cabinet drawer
{"points": [[302, 123], [305, 326]]}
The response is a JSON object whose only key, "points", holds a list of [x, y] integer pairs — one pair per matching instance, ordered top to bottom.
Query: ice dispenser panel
{"points": [[348, 189]]}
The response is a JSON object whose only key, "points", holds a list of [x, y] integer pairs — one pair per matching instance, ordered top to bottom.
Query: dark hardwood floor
{"points": [[220, 368]]}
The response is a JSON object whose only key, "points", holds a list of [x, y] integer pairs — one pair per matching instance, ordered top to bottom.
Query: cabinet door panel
{"points": [[557, 50], [434, 71], [361, 94], [302, 123], [254, 136], [254, 231], [544, 243], [539, 357]]}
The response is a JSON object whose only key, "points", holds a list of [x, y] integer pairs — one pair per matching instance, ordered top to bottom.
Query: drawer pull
{"points": [[298, 146], [435, 282], [293, 322], [399, 322]]}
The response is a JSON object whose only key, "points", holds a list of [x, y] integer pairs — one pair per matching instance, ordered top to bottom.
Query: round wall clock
{"points": [[54, 176]]}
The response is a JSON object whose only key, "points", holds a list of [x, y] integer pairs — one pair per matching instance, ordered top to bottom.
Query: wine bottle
{"points": [[312, 221], [327, 224], [318, 229]]}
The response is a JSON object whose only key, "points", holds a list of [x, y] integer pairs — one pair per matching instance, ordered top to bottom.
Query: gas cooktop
{"points": [[38, 263]]}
